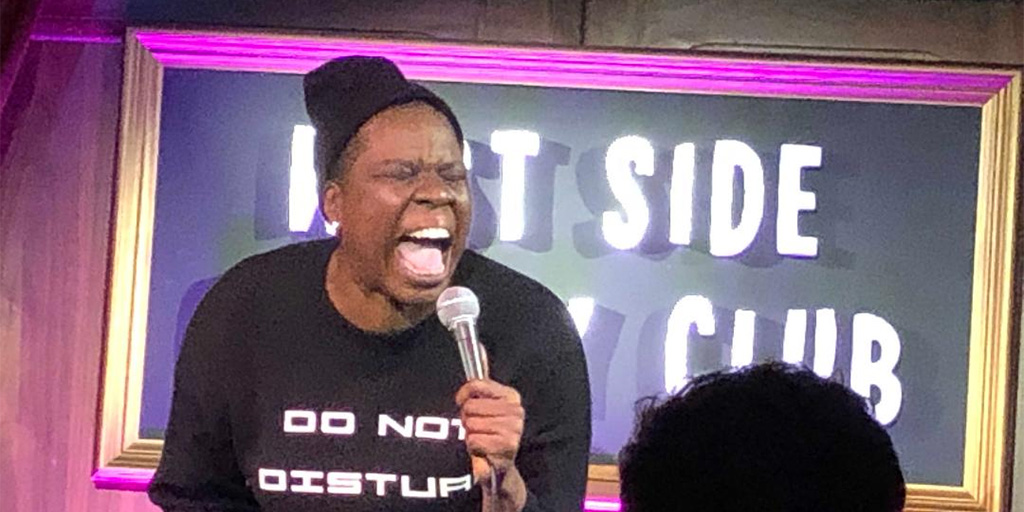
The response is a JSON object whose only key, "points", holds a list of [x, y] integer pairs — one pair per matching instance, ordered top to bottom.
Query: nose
{"points": [[433, 191]]}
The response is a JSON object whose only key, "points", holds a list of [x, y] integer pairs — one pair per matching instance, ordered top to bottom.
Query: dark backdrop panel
{"points": [[895, 220]]}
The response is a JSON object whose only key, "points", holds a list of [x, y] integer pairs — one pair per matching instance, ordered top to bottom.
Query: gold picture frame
{"points": [[125, 461]]}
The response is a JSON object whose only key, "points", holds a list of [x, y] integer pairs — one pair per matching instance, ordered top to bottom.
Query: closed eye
{"points": [[399, 171], [452, 172]]}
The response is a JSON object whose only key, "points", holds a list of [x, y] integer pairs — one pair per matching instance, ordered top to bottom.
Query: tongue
{"points": [[420, 259]]}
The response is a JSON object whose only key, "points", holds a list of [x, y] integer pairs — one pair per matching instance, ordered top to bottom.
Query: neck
{"points": [[367, 308]]}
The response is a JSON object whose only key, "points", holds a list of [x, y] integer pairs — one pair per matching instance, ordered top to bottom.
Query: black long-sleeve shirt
{"points": [[280, 404]]}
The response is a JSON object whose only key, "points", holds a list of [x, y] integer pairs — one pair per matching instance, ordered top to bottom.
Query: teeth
{"points": [[431, 233]]}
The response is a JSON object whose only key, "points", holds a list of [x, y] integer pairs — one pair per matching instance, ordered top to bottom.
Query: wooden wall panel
{"points": [[952, 30], [57, 177]]}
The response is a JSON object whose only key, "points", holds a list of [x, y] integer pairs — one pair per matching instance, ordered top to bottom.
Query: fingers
{"points": [[486, 389], [489, 408], [492, 416], [499, 425], [499, 449], [481, 468]]}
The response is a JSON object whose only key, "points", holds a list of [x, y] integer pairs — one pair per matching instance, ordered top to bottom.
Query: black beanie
{"points": [[346, 92]]}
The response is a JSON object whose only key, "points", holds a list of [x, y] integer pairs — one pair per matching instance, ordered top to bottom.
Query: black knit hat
{"points": [[346, 92]]}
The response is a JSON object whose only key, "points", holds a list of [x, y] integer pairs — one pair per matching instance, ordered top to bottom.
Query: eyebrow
{"points": [[440, 166]]}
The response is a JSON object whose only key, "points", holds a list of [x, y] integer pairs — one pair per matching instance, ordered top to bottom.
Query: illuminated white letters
{"points": [[513, 146], [627, 157], [302, 192], [303, 195], [681, 195], [792, 200], [626, 233], [727, 240], [581, 309], [690, 310], [868, 330], [794, 336], [743, 338], [795, 339], [824, 342], [299, 422], [338, 423], [341, 423], [424, 427], [430, 427], [404, 429], [306, 478], [273, 480], [381, 480], [344, 483], [351, 483], [450, 485], [409, 492]]}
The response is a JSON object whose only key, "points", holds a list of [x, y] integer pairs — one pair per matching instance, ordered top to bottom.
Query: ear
{"points": [[330, 202]]}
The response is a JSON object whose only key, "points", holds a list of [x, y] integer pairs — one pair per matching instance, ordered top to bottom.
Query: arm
{"points": [[555, 448], [541, 462], [198, 469]]}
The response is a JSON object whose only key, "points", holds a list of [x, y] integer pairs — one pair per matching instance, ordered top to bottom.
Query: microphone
{"points": [[458, 309]]}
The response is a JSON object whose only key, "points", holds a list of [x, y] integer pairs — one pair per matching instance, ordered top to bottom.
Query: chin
{"points": [[418, 294]]}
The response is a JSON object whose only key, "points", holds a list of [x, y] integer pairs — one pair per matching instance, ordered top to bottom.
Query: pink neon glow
{"points": [[551, 67], [588, 69], [122, 479], [133, 479], [605, 504]]}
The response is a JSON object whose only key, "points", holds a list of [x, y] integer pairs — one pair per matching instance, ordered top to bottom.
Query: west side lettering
{"points": [[627, 159], [344, 423], [346, 483]]}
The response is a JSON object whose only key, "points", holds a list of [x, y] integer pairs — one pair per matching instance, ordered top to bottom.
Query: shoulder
{"points": [[288, 259], [286, 262], [273, 272], [496, 283], [250, 290], [517, 313], [531, 340]]}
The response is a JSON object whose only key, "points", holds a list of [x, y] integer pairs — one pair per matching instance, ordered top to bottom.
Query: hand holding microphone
{"points": [[492, 413]]}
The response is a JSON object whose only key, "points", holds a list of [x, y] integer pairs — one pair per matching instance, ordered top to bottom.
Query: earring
{"points": [[331, 227]]}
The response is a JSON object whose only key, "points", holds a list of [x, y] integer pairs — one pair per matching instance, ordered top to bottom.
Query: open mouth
{"points": [[423, 254]]}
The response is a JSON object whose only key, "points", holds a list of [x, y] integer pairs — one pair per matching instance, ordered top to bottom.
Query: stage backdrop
{"points": [[694, 211], [686, 233]]}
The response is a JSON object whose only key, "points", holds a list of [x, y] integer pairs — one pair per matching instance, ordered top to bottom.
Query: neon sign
{"points": [[734, 163]]}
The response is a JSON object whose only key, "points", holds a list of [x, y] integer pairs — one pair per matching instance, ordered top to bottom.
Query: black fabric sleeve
{"points": [[555, 448], [199, 470]]}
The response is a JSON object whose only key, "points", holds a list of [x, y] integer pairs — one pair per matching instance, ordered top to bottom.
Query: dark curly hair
{"points": [[767, 438]]}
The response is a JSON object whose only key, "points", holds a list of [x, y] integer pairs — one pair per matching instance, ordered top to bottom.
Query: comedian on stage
{"points": [[318, 376]]}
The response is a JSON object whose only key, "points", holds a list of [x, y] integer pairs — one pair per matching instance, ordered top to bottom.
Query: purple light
{"points": [[78, 30], [549, 67], [587, 69], [122, 479], [602, 504]]}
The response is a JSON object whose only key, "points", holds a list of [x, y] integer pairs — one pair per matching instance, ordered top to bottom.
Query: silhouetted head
{"points": [[765, 438]]}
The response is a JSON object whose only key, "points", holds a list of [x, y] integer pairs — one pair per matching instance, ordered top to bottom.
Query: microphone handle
{"points": [[474, 359], [474, 363]]}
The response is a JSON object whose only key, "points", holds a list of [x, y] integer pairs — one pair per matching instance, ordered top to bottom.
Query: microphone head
{"points": [[457, 303]]}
